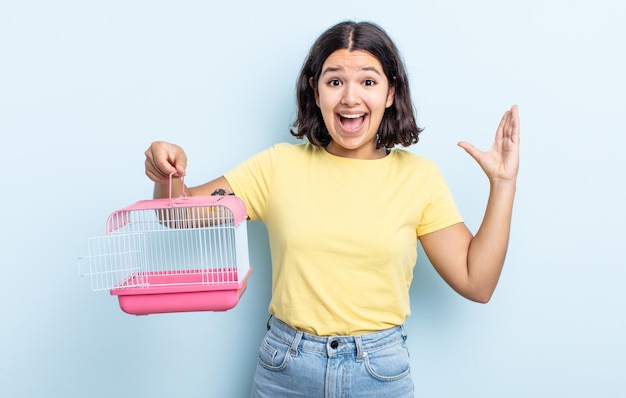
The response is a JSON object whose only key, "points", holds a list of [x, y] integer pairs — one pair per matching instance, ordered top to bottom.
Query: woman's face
{"points": [[352, 94]]}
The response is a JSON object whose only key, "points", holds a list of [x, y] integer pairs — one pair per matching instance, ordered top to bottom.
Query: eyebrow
{"points": [[331, 69]]}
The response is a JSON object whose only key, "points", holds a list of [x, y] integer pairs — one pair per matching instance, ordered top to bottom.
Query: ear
{"points": [[315, 92], [391, 95]]}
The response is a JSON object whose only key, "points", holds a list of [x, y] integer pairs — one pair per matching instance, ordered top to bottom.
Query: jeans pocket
{"points": [[273, 354], [390, 363]]}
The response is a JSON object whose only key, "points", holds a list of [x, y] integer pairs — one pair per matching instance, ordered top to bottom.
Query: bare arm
{"points": [[163, 159], [472, 265]]}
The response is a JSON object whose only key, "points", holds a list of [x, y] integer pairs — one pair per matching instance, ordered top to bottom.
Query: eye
{"points": [[369, 82], [334, 83]]}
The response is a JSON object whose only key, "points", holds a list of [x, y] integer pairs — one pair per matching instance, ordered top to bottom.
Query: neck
{"points": [[361, 153]]}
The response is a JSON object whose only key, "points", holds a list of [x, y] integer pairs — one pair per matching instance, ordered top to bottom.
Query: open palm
{"points": [[501, 162]]}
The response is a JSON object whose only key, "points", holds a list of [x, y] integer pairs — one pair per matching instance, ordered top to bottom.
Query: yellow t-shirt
{"points": [[342, 232]]}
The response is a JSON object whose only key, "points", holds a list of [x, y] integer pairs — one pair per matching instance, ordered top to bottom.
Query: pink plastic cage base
{"points": [[153, 292], [180, 293]]}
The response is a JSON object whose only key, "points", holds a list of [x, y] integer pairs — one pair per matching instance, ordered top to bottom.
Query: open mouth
{"points": [[351, 122]]}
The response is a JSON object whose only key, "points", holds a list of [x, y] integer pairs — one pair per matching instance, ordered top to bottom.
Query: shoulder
{"points": [[286, 147], [301, 147], [290, 150], [276, 152], [411, 159], [419, 170]]}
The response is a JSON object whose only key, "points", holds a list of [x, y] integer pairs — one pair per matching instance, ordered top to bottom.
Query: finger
{"points": [[515, 124], [509, 125], [502, 126], [470, 149], [168, 159], [160, 161], [178, 162], [154, 173], [154, 177]]}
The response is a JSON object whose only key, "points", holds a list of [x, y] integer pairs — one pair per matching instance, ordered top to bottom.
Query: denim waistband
{"points": [[335, 345]]}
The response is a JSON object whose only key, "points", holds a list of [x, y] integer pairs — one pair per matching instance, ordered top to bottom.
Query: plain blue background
{"points": [[85, 86]]}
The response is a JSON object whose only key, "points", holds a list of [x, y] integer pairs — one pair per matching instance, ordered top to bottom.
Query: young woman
{"points": [[344, 212]]}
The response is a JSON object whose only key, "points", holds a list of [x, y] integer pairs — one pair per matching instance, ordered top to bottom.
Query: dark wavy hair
{"points": [[398, 125]]}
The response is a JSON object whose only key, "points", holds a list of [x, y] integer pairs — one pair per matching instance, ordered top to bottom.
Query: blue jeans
{"points": [[297, 364]]}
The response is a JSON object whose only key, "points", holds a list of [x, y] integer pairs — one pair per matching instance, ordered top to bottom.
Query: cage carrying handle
{"points": [[182, 180]]}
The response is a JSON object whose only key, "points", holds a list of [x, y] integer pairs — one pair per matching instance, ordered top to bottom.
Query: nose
{"points": [[350, 95]]}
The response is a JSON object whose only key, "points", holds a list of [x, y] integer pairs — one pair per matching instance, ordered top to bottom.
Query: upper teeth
{"points": [[352, 116]]}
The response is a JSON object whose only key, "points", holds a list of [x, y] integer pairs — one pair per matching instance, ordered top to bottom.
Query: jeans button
{"points": [[334, 344]]}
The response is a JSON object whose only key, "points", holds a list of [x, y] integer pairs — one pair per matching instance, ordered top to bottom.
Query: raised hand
{"points": [[163, 159], [501, 162]]}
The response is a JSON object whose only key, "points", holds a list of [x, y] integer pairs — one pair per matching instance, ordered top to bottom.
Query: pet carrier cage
{"points": [[172, 255]]}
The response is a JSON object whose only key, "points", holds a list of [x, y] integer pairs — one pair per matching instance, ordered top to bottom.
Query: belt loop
{"points": [[268, 321], [403, 332], [358, 341], [293, 350]]}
